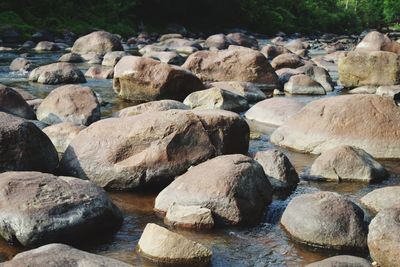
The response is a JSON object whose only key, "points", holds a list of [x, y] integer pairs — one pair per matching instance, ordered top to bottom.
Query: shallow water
{"points": [[265, 244]]}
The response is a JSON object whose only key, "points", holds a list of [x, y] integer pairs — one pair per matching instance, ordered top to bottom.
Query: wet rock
{"points": [[243, 40], [217, 41], [376, 41], [99, 42], [46, 46], [272, 51], [170, 57], [71, 58], [110, 59], [287, 61], [21, 63], [99, 72], [57, 73], [320, 75], [145, 79], [303, 85], [366, 89], [248, 90], [216, 98], [13, 103], [70, 103], [161, 105], [274, 111], [62, 134], [348, 163], [233, 187], [382, 198], [40, 208], [189, 217], [326, 219], [384, 237], [163, 246], [57, 255], [342, 261]]}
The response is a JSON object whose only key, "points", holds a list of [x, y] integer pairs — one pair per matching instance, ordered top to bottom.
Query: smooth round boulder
{"points": [[243, 40], [217, 41], [376, 41], [99, 42], [287, 60], [21, 63], [57, 73], [318, 74], [302, 84], [13, 103], [70, 103], [161, 105], [369, 122], [61, 134], [23, 146], [347, 163], [233, 187], [382, 198], [39, 208], [189, 217], [326, 219], [384, 237], [162, 246], [342, 261]]}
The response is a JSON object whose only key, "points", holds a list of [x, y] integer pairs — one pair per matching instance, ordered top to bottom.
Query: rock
{"points": [[170, 36], [243, 40], [218, 41], [376, 41], [99, 42], [175, 43], [28, 44], [46, 46], [295, 46], [152, 48], [186, 51], [272, 51], [170, 57], [71, 58], [92, 58], [110, 59], [287, 61], [21, 63], [244, 65], [373, 68], [99, 72], [57, 73], [285, 74], [320, 75], [145, 79], [303, 85], [366, 89], [248, 90], [389, 91], [25, 94], [216, 98], [13, 103], [70, 103], [161, 105], [274, 111], [369, 122], [62, 134], [23, 146], [152, 148], [348, 163], [277, 167], [233, 187], [382, 198], [39, 208], [190, 217], [326, 219], [384, 237], [162, 246], [58, 255], [342, 261]]}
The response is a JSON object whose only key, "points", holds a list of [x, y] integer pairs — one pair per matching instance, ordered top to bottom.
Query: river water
{"points": [[265, 244]]}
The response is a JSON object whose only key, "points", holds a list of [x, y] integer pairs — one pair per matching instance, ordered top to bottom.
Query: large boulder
{"points": [[376, 41], [99, 42], [243, 65], [373, 68], [57, 73], [145, 79], [303, 85], [248, 90], [12, 102], [72, 103], [161, 105], [274, 111], [369, 122], [61, 134], [23, 146], [152, 148], [347, 163], [233, 187], [382, 198], [39, 208], [326, 219], [384, 237], [162, 246], [60, 255], [342, 261]]}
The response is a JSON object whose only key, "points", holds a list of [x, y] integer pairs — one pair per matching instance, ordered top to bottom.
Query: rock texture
{"points": [[57, 73], [303, 85], [248, 90], [13, 103], [161, 105], [61, 134], [382, 198], [190, 217], [342, 261]]}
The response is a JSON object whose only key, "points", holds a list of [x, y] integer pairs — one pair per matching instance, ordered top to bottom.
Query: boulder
{"points": [[170, 36], [243, 40], [217, 41], [376, 41], [99, 42], [176, 43], [46, 46], [296, 46], [272, 51], [170, 57], [71, 58], [92, 58], [110, 59], [287, 60], [21, 63], [243, 65], [373, 68], [99, 72], [57, 73], [285, 74], [320, 75], [303, 85], [366, 89], [248, 90], [389, 91], [25, 94], [216, 98], [13, 103], [70, 103], [161, 105], [274, 111], [369, 122], [62, 134], [23, 146], [152, 148], [347, 163], [278, 168], [233, 187], [383, 198], [39, 208], [189, 217], [326, 219], [384, 237], [162, 246], [60, 255], [342, 261]]}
